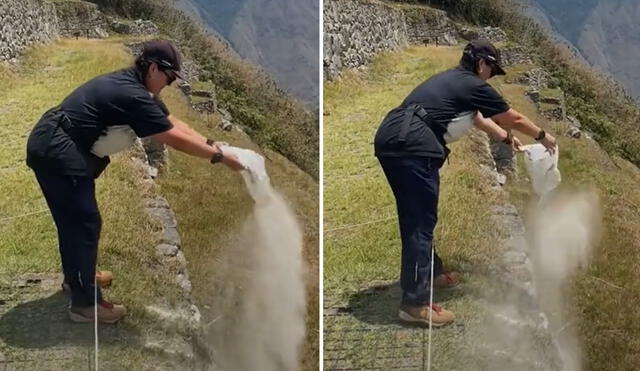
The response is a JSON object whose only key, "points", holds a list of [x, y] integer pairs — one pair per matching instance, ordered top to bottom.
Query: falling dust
{"points": [[563, 231], [260, 295], [531, 326]]}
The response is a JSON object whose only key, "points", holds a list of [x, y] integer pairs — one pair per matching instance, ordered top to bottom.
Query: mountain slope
{"points": [[605, 31], [281, 36]]}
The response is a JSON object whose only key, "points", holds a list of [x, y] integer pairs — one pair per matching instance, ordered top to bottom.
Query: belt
{"points": [[410, 111], [65, 122]]}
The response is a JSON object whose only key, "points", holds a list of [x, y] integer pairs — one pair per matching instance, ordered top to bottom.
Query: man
{"points": [[411, 145], [70, 146]]}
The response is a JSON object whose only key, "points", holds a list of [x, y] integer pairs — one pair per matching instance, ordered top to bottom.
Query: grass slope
{"points": [[362, 240], [28, 244]]}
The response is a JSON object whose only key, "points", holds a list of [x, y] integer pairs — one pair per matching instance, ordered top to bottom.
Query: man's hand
{"points": [[549, 142], [516, 145], [232, 162]]}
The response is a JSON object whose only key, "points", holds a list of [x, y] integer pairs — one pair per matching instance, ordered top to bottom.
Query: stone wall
{"points": [[81, 19], [25, 22], [430, 26], [356, 30]]}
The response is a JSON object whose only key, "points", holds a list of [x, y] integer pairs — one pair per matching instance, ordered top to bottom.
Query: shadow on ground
{"points": [[378, 304], [43, 323], [36, 332]]}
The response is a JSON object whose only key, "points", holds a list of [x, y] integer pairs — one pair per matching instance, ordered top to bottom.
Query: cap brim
{"points": [[499, 69], [179, 75]]}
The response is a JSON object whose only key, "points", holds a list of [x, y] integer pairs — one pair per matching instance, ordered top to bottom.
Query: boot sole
{"points": [[78, 318], [407, 318]]}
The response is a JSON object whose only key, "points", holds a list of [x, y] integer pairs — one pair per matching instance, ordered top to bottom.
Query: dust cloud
{"points": [[260, 295]]}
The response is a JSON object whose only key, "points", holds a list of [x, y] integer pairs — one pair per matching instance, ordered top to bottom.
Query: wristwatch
{"points": [[541, 135], [508, 139], [217, 157]]}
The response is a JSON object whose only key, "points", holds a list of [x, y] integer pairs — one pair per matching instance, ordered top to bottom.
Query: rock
{"points": [[81, 19], [25, 23], [120, 27], [137, 27], [354, 32], [468, 34], [493, 34], [448, 39], [515, 55], [185, 87], [202, 93], [551, 100], [207, 107], [225, 114], [573, 121], [225, 125], [573, 132], [157, 153], [503, 156], [152, 172], [157, 202], [170, 236], [167, 250], [183, 282], [177, 319], [174, 348]]}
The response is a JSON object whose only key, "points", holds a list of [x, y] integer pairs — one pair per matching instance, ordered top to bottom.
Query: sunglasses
{"points": [[171, 76]]}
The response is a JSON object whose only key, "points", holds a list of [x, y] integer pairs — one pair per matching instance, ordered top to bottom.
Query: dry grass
{"points": [[356, 192], [210, 202], [211, 205], [361, 237], [606, 316]]}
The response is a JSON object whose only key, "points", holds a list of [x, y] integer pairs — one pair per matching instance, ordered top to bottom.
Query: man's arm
{"points": [[512, 119], [488, 126], [495, 131], [194, 145]]}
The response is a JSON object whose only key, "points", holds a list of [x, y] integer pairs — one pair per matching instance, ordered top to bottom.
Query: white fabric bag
{"points": [[542, 168]]}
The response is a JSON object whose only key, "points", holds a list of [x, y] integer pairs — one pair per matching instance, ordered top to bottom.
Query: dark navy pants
{"points": [[415, 182], [72, 201]]}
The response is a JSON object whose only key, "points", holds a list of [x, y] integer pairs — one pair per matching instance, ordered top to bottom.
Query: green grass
{"points": [[355, 188], [210, 202], [29, 243], [359, 256], [607, 317]]}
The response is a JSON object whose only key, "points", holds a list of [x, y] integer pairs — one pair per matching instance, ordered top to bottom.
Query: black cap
{"points": [[484, 49], [164, 54]]}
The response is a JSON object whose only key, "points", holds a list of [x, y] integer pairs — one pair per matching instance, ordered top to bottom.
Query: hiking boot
{"points": [[103, 278], [446, 280], [107, 313], [419, 315]]}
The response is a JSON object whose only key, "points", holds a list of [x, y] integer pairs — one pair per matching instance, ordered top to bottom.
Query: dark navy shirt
{"points": [[450, 99], [98, 119]]}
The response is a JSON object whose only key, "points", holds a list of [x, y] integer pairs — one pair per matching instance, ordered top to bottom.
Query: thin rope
{"points": [[23, 215], [350, 226], [430, 313], [95, 320]]}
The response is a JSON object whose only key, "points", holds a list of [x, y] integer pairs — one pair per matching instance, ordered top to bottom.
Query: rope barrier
{"points": [[23, 215], [350, 226], [430, 314], [95, 320]]}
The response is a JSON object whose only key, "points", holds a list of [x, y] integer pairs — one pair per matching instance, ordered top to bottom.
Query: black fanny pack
{"points": [[409, 131], [51, 146]]}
